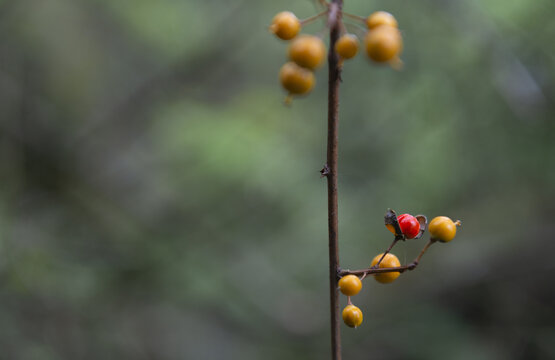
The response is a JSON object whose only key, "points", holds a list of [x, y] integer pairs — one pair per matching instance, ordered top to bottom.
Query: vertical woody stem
{"points": [[333, 120]]}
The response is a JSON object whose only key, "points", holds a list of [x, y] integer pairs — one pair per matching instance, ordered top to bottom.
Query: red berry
{"points": [[409, 225]]}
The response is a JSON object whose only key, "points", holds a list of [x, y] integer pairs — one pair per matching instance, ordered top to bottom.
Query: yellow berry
{"points": [[381, 18], [285, 25], [383, 43], [347, 46], [307, 51], [295, 79], [443, 228], [388, 261], [350, 285], [352, 316]]}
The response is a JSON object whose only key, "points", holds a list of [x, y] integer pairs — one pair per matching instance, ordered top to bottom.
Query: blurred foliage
{"points": [[159, 202]]}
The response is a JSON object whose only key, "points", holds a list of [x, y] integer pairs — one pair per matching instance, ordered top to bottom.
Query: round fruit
{"points": [[381, 18], [285, 25], [383, 43], [347, 46], [307, 51], [295, 79], [409, 225], [443, 228], [388, 261], [350, 285], [352, 316]]}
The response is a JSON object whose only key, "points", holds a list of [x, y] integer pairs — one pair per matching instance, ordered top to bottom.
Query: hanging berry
{"points": [[381, 18], [285, 25], [383, 43], [347, 46], [308, 51], [296, 79], [350, 285], [352, 316]]}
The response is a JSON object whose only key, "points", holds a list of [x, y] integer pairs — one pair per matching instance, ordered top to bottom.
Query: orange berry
{"points": [[381, 18], [285, 25], [383, 43], [347, 46], [307, 51], [295, 79], [443, 228], [388, 261], [350, 285], [352, 316]]}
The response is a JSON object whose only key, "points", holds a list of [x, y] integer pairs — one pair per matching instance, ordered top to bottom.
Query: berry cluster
{"points": [[306, 53], [386, 267]]}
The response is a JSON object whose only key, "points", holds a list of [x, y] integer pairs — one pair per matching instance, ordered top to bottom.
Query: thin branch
{"points": [[355, 17], [312, 18], [428, 244], [386, 252], [373, 270], [370, 271]]}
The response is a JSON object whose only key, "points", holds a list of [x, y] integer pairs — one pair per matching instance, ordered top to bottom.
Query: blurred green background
{"points": [[158, 200]]}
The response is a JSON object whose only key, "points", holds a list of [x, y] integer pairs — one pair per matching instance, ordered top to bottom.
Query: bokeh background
{"points": [[158, 200]]}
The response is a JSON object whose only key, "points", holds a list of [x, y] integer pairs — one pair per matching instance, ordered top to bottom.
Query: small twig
{"points": [[356, 17], [312, 18], [356, 29], [428, 244], [386, 252], [374, 270], [370, 271], [363, 276]]}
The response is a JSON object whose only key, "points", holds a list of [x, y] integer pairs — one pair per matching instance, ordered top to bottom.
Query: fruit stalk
{"points": [[330, 172]]}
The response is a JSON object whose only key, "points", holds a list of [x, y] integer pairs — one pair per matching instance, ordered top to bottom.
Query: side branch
{"points": [[373, 270], [378, 270]]}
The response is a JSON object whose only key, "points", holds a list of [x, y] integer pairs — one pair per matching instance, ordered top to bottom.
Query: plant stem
{"points": [[331, 173]]}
